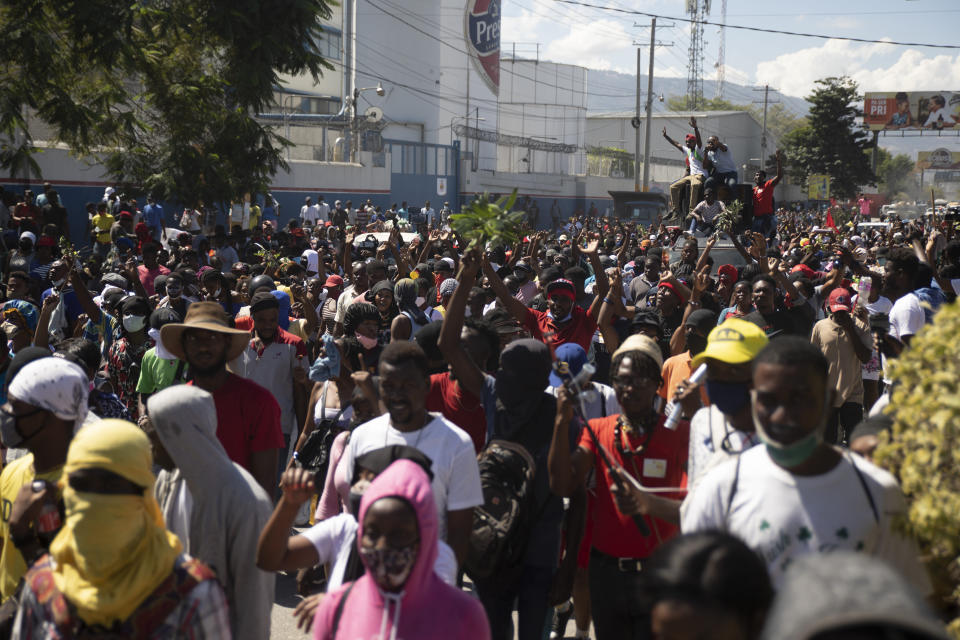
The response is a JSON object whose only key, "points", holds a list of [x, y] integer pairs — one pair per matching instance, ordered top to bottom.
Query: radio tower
{"points": [[698, 10], [721, 70]]}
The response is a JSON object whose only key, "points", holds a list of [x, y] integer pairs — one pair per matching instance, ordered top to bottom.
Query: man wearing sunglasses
{"points": [[45, 403]]}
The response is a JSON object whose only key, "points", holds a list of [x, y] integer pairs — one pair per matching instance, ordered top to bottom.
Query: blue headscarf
{"points": [[284, 311]]}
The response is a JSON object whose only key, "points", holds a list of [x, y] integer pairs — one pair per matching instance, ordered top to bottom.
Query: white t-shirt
{"points": [[323, 211], [310, 213], [906, 319], [599, 404], [709, 428], [456, 476], [782, 516], [334, 537]]}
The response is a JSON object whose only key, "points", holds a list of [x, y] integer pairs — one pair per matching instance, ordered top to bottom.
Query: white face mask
{"points": [[419, 301], [133, 323]]}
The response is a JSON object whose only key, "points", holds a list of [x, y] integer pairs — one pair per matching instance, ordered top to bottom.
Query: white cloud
{"points": [[595, 45], [795, 73]]}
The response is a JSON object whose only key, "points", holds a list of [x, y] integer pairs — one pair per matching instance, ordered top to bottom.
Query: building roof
{"points": [[667, 114]]}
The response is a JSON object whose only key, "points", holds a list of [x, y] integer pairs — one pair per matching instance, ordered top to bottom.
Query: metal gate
{"points": [[423, 171]]}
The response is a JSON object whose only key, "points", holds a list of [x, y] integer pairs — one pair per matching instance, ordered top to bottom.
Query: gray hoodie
{"points": [[229, 509], [842, 591]]}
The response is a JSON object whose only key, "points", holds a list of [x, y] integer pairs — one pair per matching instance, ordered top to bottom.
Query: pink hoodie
{"points": [[427, 607]]}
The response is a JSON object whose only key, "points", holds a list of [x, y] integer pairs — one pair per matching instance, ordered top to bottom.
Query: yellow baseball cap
{"points": [[735, 341]]}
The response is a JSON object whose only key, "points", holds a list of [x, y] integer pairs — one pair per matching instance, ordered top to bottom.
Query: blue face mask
{"points": [[326, 366], [728, 397]]}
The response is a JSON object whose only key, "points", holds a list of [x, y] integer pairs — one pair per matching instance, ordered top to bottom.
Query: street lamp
{"points": [[353, 115]]}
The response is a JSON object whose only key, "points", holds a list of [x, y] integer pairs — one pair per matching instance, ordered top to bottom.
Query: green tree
{"points": [[163, 94], [679, 103], [832, 143], [895, 174]]}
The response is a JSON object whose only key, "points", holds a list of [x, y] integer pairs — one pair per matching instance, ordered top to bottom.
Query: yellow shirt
{"points": [[254, 217], [102, 223], [14, 476]]}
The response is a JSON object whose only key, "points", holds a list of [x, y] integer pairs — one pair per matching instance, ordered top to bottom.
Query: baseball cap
{"points": [[689, 137], [444, 264], [333, 281], [561, 287], [839, 300], [703, 319], [735, 341], [573, 355]]}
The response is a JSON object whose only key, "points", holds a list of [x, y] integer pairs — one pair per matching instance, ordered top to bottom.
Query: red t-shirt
{"points": [[763, 199], [147, 276], [579, 329], [459, 406], [248, 419], [662, 464]]}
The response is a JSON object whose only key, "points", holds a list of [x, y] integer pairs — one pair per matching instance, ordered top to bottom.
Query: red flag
{"points": [[830, 223]]}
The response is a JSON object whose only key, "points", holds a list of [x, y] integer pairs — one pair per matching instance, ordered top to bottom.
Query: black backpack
{"points": [[502, 525]]}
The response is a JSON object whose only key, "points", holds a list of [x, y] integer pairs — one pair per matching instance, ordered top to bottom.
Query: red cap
{"points": [[690, 137], [126, 215], [46, 241], [805, 270], [729, 271], [333, 281], [561, 287], [673, 288], [839, 300]]}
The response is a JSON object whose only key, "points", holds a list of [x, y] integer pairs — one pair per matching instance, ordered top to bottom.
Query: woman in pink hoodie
{"points": [[399, 597]]}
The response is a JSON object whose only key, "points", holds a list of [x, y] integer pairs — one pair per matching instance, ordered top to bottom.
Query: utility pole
{"points": [[649, 114], [636, 121], [763, 138]]}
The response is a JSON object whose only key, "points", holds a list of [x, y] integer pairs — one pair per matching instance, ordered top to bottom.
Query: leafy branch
{"points": [[483, 222]]}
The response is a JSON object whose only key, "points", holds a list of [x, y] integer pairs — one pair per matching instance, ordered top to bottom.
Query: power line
{"points": [[760, 29]]}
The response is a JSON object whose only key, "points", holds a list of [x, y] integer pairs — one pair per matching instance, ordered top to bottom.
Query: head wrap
{"points": [[448, 286], [561, 287], [406, 291], [283, 299], [356, 314], [58, 386], [107, 582]]}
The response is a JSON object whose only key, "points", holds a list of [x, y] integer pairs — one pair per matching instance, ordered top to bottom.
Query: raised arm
{"points": [[696, 131], [671, 140], [779, 176], [706, 252], [601, 285], [83, 296], [516, 308], [468, 374]]}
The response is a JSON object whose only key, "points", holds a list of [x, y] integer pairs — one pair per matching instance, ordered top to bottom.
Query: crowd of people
{"points": [[598, 425]]}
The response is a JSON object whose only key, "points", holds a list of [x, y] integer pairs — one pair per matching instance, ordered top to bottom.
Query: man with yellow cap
{"points": [[725, 428], [638, 442], [114, 570]]}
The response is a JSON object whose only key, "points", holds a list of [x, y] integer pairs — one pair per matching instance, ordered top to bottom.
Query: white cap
{"points": [[29, 234]]}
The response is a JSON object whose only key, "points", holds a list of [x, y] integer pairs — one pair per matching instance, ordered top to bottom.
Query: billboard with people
{"points": [[896, 110]]}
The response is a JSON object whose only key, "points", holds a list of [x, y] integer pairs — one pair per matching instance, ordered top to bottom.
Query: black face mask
{"points": [[696, 343]]}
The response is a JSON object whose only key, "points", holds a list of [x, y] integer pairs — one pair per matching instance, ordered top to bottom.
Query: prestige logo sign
{"points": [[482, 31]]}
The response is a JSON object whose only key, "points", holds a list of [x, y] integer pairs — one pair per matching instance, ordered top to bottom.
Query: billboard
{"points": [[482, 32], [896, 110], [938, 159], [818, 187]]}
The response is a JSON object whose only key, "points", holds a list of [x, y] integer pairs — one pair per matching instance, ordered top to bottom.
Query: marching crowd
{"points": [[600, 423]]}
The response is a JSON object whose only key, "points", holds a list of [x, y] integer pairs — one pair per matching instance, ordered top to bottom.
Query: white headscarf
{"points": [[56, 385]]}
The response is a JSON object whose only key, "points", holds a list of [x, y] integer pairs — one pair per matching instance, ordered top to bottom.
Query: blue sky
{"points": [[604, 40]]}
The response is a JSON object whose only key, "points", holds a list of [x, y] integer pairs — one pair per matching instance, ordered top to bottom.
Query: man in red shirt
{"points": [[763, 219], [151, 268], [565, 321], [479, 340], [248, 416], [637, 441]]}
